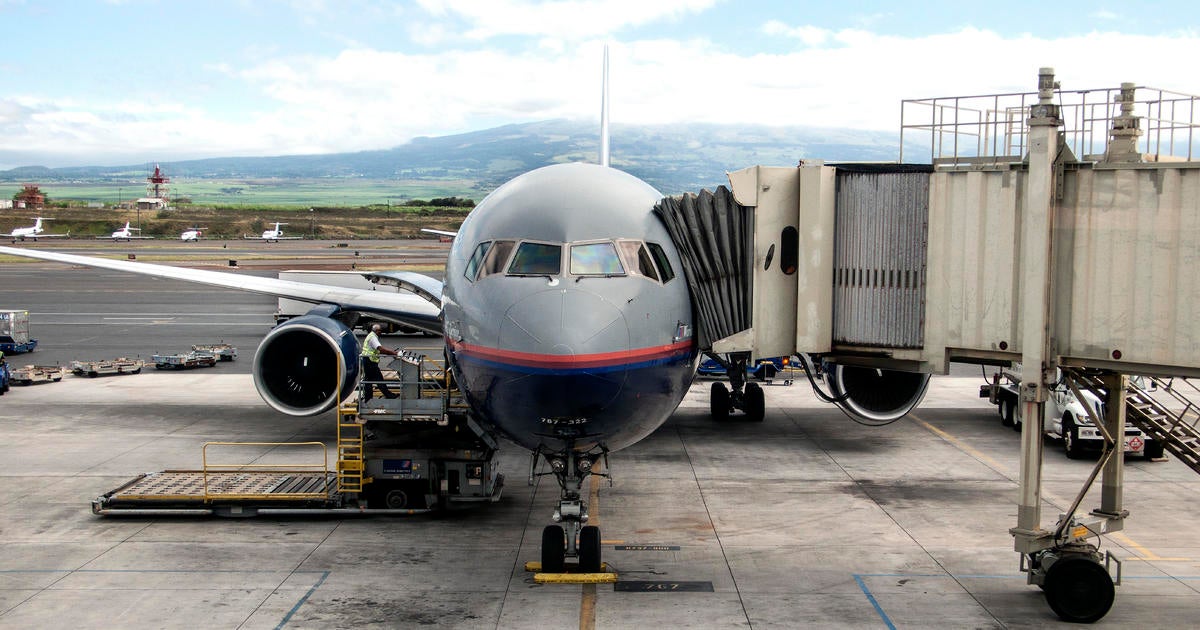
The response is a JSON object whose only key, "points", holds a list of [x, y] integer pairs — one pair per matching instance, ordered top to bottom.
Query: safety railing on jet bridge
{"points": [[993, 128]]}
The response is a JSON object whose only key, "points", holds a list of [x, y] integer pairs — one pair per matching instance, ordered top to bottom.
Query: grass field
{"points": [[296, 193]]}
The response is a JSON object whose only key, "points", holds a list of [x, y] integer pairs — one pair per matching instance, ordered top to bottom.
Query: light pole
{"points": [[312, 225]]}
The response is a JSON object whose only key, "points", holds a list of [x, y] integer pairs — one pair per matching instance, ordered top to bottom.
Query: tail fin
{"points": [[604, 112]]}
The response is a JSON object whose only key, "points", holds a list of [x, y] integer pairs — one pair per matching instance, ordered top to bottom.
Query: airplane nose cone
{"points": [[567, 323], [573, 344]]}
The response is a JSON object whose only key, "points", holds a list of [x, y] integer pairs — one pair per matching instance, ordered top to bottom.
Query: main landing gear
{"points": [[747, 397], [570, 537]]}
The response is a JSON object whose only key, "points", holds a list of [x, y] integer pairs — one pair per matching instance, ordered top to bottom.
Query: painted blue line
{"points": [[871, 598], [288, 617]]}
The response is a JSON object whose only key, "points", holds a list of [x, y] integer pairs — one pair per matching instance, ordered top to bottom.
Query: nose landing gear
{"points": [[570, 537]]}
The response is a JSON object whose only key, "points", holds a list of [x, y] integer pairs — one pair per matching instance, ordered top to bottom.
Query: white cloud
{"points": [[567, 19], [370, 99]]}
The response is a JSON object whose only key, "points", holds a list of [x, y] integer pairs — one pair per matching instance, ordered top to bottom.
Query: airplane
{"points": [[35, 232], [126, 233], [192, 235], [273, 236], [568, 328]]}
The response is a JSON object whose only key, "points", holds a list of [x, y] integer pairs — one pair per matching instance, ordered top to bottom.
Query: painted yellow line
{"points": [[1145, 554], [587, 601], [588, 605]]}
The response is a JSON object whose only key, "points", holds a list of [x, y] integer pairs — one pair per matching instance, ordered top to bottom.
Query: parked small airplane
{"points": [[35, 232], [126, 234], [192, 234], [273, 236]]}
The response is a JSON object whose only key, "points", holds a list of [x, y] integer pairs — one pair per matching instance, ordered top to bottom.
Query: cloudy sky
{"points": [[133, 81]]}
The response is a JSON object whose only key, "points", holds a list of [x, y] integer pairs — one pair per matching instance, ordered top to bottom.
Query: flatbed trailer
{"points": [[223, 351], [184, 361], [105, 367], [33, 374], [413, 454]]}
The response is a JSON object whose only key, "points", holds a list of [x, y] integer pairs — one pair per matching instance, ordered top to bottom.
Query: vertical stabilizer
{"points": [[604, 112]]}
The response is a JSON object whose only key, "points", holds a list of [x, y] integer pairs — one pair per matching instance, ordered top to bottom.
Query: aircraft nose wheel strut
{"points": [[570, 537]]}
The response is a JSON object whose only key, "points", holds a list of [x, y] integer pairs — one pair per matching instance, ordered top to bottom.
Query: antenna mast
{"points": [[604, 112]]}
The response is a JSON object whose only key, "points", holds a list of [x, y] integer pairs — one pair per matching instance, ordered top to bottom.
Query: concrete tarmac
{"points": [[804, 520]]}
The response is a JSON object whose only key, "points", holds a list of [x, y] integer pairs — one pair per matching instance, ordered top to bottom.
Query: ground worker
{"points": [[371, 350]]}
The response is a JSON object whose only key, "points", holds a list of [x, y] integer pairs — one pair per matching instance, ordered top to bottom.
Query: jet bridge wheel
{"points": [[719, 402], [554, 549], [589, 549], [1078, 589]]}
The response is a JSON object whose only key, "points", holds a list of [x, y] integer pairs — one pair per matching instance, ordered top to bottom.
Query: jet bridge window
{"points": [[496, 257], [536, 259], [595, 259], [638, 259], [476, 260]]}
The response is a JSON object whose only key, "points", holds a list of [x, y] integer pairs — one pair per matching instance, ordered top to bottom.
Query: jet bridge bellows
{"points": [[714, 235]]}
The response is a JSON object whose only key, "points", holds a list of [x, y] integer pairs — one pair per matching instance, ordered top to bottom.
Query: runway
{"points": [[804, 520]]}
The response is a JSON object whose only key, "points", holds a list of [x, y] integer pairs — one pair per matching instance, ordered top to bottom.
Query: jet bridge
{"points": [[1050, 228]]}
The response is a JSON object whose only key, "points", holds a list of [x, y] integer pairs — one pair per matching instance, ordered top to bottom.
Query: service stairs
{"points": [[1165, 410], [1176, 427], [350, 464]]}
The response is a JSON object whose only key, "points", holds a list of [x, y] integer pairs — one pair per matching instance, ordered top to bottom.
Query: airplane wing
{"points": [[439, 232], [252, 238], [401, 308]]}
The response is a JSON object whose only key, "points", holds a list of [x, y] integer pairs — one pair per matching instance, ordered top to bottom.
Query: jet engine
{"points": [[303, 364], [877, 395]]}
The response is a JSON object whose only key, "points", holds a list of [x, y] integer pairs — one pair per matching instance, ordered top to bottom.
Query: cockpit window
{"points": [[496, 257], [536, 259], [595, 259], [638, 259], [664, 265], [472, 269]]}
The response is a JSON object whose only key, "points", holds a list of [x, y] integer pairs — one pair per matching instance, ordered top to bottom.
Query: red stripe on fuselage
{"points": [[601, 359]]}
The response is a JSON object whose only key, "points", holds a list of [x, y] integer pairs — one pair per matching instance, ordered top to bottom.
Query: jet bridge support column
{"points": [[1036, 256]]}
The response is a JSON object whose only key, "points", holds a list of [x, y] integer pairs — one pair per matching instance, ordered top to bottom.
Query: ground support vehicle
{"points": [[14, 332], [223, 351], [184, 361], [107, 366], [31, 374], [1064, 417], [415, 453]]}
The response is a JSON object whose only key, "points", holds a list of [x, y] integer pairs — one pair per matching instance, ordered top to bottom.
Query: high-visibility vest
{"points": [[367, 350]]}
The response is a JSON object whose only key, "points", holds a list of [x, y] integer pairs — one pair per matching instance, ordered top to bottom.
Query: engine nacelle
{"points": [[302, 365], [875, 394]]}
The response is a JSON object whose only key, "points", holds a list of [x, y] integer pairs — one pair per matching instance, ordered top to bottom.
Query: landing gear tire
{"points": [[719, 402], [755, 403], [1006, 413], [1071, 439], [554, 549], [589, 549], [1079, 590]]}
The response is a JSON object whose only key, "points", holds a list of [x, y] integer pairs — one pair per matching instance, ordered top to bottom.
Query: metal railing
{"points": [[993, 128], [262, 481]]}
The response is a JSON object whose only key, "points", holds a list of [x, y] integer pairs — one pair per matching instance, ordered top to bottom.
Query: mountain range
{"points": [[673, 158]]}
